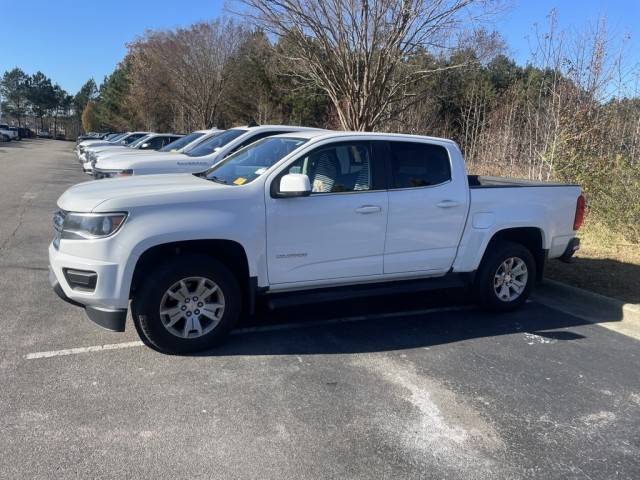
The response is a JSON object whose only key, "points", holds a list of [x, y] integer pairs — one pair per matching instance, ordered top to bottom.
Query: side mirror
{"points": [[144, 145], [294, 185]]}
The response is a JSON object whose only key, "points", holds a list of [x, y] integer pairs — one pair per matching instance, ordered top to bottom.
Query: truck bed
{"points": [[480, 181]]}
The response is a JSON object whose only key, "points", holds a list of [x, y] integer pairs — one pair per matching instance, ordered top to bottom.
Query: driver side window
{"points": [[338, 168]]}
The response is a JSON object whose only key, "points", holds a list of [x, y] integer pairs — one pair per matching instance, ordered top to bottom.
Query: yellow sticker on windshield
{"points": [[239, 180]]}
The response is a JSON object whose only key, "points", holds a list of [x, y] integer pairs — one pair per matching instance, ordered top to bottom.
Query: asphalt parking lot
{"points": [[420, 386]]}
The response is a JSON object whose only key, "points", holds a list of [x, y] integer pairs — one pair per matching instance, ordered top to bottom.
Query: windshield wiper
{"points": [[218, 180]]}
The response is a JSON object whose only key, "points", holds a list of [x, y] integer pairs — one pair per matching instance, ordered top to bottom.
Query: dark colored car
{"points": [[25, 132]]}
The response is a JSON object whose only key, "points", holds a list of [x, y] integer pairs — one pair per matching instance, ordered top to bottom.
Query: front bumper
{"points": [[95, 303]]}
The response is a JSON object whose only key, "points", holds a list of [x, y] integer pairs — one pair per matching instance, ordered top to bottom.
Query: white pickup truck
{"points": [[197, 159], [302, 217]]}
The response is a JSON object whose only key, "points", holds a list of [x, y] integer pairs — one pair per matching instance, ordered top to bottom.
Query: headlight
{"points": [[100, 173], [82, 226]]}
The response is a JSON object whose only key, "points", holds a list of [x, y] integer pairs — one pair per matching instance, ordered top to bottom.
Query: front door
{"points": [[339, 230]]}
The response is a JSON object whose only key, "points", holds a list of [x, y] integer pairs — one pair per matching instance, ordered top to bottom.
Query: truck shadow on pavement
{"points": [[315, 329]]}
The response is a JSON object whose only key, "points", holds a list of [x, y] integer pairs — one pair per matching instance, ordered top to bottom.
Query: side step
{"points": [[332, 294]]}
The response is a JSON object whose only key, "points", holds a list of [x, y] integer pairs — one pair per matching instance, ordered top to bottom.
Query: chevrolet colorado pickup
{"points": [[302, 217]]}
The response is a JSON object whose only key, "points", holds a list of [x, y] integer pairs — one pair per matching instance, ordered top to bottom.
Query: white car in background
{"points": [[7, 134], [123, 139], [109, 140], [190, 141], [149, 143], [181, 145], [178, 146], [204, 155]]}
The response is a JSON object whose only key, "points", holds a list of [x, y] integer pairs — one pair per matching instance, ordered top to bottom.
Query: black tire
{"points": [[484, 288], [147, 302]]}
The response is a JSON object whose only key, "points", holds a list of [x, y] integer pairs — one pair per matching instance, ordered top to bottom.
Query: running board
{"points": [[332, 294]]}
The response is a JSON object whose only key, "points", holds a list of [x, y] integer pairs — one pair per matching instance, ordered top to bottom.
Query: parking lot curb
{"points": [[609, 312]]}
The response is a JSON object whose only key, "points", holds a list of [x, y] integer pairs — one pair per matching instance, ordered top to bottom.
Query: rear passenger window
{"points": [[418, 165]]}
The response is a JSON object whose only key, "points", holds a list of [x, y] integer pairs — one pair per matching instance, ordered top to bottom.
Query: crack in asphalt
{"points": [[21, 213]]}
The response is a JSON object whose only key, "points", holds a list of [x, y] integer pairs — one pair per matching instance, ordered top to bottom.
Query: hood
{"points": [[86, 143], [96, 143], [106, 148], [129, 153], [128, 161], [122, 193]]}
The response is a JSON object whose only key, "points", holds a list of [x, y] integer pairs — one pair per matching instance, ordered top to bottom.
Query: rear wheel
{"points": [[506, 276], [188, 304]]}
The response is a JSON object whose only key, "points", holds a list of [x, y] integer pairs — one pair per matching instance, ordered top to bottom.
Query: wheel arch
{"points": [[530, 237], [229, 252]]}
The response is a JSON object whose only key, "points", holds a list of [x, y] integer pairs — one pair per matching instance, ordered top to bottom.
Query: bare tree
{"points": [[356, 51], [188, 66]]}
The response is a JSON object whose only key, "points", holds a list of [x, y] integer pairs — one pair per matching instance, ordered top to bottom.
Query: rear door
{"points": [[427, 208], [339, 230]]}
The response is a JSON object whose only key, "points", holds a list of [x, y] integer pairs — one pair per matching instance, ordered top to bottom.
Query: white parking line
{"points": [[241, 331], [75, 351]]}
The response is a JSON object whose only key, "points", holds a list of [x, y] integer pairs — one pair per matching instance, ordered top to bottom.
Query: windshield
{"points": [[118, 137], [132, 137], [140, 141], [218, 141], [181, 142], [249, 163]]}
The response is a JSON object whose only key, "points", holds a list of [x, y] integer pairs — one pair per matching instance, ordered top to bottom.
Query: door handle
{"points": [[447, 204], [364, 209]]}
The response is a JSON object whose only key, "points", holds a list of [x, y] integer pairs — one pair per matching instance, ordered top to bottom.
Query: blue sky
{"points": [[72, 41]]}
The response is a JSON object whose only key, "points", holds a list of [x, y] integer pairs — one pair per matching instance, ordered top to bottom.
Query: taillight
{"points": [[580, 207]]}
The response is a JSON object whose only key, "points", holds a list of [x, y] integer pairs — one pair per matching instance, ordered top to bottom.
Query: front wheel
{"points": [[506, 276], [188, 304]]}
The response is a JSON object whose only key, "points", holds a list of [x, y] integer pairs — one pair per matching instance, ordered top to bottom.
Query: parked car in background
{"points": [[11, 132], [25, 132], [5, 133], [44, 134], [96, 136], [122, 139], [189, 141], [151, 142], [181, 145], [196, 159], [299, 217]]}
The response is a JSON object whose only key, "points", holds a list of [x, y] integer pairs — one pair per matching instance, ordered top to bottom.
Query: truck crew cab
{"points": [[296, 214]]}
